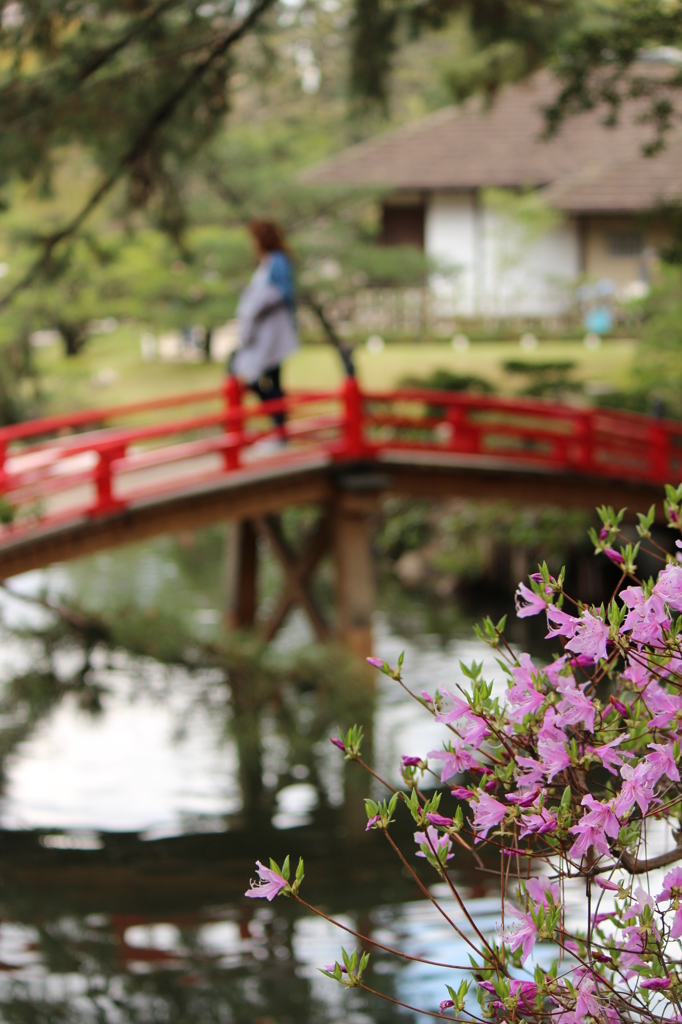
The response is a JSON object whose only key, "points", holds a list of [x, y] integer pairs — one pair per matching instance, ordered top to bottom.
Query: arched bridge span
{"points": [[74, 484]]}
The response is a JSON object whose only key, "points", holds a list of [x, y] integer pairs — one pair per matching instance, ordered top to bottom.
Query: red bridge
{"points": [[77, 483]]}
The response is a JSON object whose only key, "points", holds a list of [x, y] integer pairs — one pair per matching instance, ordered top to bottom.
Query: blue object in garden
{"points": [[599, 320]]}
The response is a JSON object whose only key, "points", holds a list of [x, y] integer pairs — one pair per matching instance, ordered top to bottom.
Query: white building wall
{"points": [[450, 232], [493, 265], [526, 274]]}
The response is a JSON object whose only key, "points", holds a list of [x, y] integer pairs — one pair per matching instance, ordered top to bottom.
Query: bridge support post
{"points": [[241, 565], [355, 589]]}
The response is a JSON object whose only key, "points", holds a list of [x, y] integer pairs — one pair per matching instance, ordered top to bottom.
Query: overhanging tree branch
{"points": [[142, 143]]}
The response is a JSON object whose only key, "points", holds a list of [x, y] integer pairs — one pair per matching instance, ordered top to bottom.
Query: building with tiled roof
{"points": [[435, 174]]}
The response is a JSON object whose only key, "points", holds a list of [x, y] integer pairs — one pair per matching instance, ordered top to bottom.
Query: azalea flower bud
{"points": [[603, 533], [614, 555], [375, 662], [427, 697], [618, 705], [338, 743], [410, 762], [462, 793], [439, 819], [372, 821], [549, 826], [605, 883], [656, 984], [446, 1005]]}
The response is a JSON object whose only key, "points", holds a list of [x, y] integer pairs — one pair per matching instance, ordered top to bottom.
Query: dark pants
{"points": [[268, 387]]}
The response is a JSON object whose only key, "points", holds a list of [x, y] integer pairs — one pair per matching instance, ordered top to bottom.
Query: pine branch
{"points": [[141, 145]]}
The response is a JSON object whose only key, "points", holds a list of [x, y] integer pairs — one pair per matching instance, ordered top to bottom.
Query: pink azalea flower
{"points": [[669, 586], [528, 602], [646, 617], [565, 624], [590, 636], [558, 668], [636, 672], [523, 698], [666, 706], [575, 707], [452, 708], [552, 728], [473, 730], [554, 757], [611, 758], [454, 761], [661, 762], [529, 772], [636, 788], [488, 812], [600, 815], [588, 835], [435, 841], [672, 885], [268, 887], [540, 888], [672, 890], [642, 899], [524, 933], [635, 942], [587, 1005]]}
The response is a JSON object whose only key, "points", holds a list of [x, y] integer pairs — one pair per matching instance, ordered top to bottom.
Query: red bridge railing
{"points": [[94, 462]]}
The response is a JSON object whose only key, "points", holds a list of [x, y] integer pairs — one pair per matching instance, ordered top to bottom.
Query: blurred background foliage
{"points": [[136, 139]]}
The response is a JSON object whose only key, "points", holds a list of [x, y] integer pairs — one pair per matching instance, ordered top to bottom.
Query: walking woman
{"points": [[267, 317]]}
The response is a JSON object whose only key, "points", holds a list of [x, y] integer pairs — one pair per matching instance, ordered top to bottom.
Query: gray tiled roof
{"points": [[587, 166]]}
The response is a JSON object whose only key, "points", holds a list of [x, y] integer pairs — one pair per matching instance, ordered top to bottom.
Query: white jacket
{"points": [[267, 327]]}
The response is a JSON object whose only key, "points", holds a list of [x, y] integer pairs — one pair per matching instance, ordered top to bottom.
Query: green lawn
{"points": [[70, 384]]}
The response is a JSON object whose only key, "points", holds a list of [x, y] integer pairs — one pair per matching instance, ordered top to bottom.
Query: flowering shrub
{"points": [[567, 775]]}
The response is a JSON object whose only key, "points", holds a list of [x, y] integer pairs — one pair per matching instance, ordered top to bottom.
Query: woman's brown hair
{"points": [[268, 235]]}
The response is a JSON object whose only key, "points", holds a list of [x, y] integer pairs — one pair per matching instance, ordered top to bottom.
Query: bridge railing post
{"points": [[234, 424], [463, 435], [354, 439], [580, 447], [104, 477]]}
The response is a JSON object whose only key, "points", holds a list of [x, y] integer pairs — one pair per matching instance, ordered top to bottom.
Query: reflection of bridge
{"points": [[78, 483]]}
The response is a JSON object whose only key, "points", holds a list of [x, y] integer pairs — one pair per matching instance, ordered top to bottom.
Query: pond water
{"points": [[145, 768]]}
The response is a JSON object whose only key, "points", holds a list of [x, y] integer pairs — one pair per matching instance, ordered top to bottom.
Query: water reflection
{"points": [[145, 765]]}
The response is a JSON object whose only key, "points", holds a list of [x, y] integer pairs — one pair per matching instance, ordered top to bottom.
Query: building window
{"points": [[403, 225], [625, 243]]}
